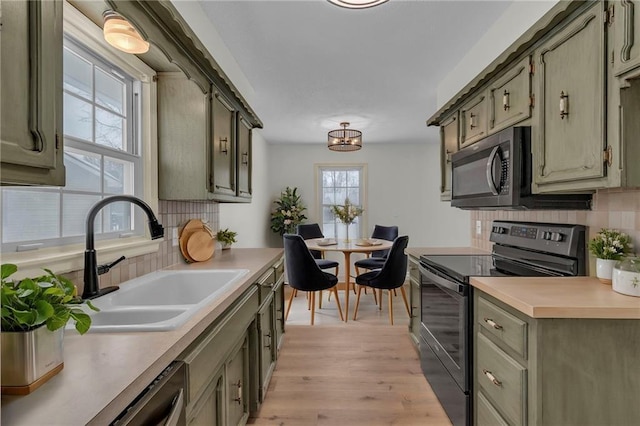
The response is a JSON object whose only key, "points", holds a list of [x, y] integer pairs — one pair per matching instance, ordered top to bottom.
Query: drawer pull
{"points": [[493, 324], [491, 377], [239, 397]]}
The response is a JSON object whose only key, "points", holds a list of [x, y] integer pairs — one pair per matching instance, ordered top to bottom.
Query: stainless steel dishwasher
{"points": [[162, 403]]}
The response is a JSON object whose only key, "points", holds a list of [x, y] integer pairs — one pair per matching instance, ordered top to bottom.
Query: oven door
{"points": [[446, 323]]}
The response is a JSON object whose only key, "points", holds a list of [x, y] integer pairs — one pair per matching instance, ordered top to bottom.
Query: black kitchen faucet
{"points": [[91, 268]]}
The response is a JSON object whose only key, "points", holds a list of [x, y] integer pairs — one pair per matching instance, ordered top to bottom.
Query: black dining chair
{"points": [[310, 231], [377, 258], [304, 273], [392, 275]]}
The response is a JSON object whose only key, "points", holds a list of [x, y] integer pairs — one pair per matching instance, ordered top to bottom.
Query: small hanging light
{"points": [[357, 4], [122, 35], [345, 139]]}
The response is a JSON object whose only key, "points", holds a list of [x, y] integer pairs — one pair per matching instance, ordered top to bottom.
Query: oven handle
{"points": [[442, 282]]}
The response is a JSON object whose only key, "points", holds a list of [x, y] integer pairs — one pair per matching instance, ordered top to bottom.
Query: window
{"points": [[101, 156], [115, 159], [336, 183]]}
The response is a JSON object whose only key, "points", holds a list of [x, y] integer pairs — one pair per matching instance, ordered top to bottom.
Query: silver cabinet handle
{"points": [[505, 100], [564, 105], [472, 121], [224, 149], [245, 158], [493, 324], [268, 339], [491, 377], [239, 398], [176, 409]]}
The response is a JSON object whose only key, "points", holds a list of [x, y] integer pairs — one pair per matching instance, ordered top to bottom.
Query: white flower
{"points": [[283, 211], [288, 213]]}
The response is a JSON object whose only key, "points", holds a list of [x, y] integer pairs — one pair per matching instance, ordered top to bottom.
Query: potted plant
{"points": [[288, 212], [226, 238], [608, 246], [34, 314]]}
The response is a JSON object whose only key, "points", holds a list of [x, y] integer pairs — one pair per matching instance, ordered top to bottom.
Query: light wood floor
{"points": [[365, 372]]}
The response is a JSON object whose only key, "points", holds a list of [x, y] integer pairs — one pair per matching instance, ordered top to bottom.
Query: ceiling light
{"points": [[357, 4], [122, 35], [345, 139]]}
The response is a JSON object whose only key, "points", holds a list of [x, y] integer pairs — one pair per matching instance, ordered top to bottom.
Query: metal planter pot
{"points": [[30, 358]]}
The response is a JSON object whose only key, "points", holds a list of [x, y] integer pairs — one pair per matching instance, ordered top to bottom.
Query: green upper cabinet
{"points": [[624, 17], [31, 87], [510, 97], [473, 120], [449, 131], [569, 140], [223, 146], [244, 158]]}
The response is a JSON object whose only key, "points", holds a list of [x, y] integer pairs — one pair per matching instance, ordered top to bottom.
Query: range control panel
{"points": [[557, 238]]}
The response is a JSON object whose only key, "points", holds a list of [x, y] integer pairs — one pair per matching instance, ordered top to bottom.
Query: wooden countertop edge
{"points": [[590, 308], [107, 401]]}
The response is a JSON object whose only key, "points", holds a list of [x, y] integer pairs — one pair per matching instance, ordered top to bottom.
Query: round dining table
{"points": [[347, 247]]}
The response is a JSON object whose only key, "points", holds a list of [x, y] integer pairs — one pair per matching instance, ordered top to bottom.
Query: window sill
{"points": [[71, 258]]}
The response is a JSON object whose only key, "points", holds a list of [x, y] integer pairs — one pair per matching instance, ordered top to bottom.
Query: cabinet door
{"points": [[624, 19], [570, 70], [31, 87], [510, 97], [473, 120], [449, 131], [223, 149], [244, 158], [278, 304], [267, 349], [237, 382], [208, 410]]}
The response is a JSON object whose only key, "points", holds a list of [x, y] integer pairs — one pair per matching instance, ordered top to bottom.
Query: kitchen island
{"points": [[104, 372]]}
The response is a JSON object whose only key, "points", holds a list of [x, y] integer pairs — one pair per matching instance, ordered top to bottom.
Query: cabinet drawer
{"points": [[509, 97], [473, 120], [279, 268], [266, 283], [510, 330], [205, 357], [502, 379], [486, 415]]}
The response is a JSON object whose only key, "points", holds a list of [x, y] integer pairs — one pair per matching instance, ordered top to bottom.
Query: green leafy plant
{"points": [[288, 213], [347, 213], [225, 236], [610, 244], [49, 300]]}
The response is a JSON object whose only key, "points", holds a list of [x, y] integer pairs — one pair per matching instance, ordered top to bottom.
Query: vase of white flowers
{"points": [[346, 214], [608, 246]]}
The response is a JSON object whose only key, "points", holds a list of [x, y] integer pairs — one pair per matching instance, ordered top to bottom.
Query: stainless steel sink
{"points": [[160, 301]]}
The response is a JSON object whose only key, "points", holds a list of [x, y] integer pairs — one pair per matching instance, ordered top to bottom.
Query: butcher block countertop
{"points": [[566, 297], [104, 372]]}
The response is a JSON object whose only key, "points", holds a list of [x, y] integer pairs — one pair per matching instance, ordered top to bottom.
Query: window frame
{"points": [[362, 168], [70, 257]]}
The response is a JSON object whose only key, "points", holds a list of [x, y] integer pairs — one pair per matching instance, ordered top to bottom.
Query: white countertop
{"points": [[104, 372]]}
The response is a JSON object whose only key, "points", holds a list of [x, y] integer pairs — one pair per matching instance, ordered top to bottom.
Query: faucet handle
{"points": [[103, 269]]}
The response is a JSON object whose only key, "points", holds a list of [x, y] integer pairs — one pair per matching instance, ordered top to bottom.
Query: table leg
{"points": [[347, 278]]}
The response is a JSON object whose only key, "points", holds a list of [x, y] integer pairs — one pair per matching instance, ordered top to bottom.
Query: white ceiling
{"points": [[313, 65]]}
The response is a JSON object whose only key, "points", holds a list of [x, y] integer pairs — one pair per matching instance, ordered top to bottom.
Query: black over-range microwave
{"points": [[495, 173]]}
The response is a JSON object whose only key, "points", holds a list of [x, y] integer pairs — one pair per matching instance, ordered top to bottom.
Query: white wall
{"points": [[518, 18], [403, 188], [251, 221]]}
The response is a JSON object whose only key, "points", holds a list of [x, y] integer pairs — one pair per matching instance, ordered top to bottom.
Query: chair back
{"points": [[309, 231], [389, 233], [394, 270], [303, 271]]}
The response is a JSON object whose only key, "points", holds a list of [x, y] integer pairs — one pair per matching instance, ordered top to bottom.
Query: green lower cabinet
{"points": [[414, 301], [278, 303], [267, 344], [574, 371], [238, 385], [208, 410]]}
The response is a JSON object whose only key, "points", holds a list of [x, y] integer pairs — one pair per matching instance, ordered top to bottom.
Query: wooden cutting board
{"points": [[187, 230], [200, 246]]}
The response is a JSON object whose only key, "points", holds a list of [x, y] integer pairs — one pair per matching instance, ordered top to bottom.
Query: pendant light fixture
{"points": [[357, 4], [122, 35], [345, 139]]}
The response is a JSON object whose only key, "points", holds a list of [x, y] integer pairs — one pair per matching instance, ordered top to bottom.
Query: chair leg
{"points": [[337, 270], [335, 290], [394, 292], [293, 294], [312, 296], [375, 296], [404, 297], [379, 299], [308, 301], [320, 301], [391, 307], [355, 311]]}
